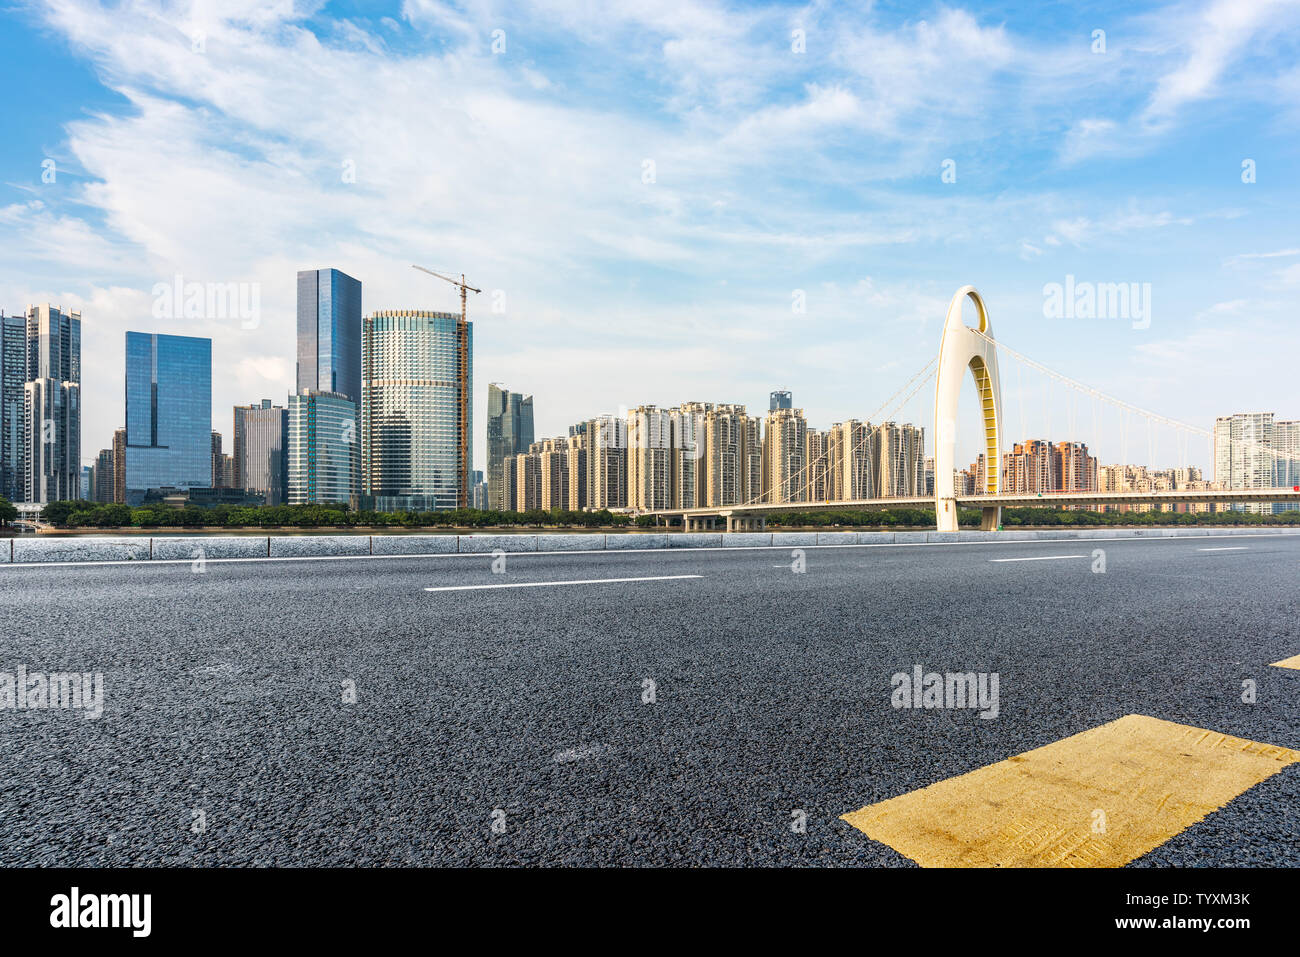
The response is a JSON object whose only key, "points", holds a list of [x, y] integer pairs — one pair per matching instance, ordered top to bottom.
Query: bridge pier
{"points": [[991, 518], [746, 523]]}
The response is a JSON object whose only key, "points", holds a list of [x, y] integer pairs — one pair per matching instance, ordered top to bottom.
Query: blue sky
{"points": [[775, 170]]}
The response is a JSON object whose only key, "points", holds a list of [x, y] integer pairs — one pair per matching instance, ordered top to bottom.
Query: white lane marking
{"points": [[1226, 548], [1037, 558], [581, 581]]}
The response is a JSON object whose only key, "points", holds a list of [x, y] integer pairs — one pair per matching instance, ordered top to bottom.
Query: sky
{"points": [[673, 200]]}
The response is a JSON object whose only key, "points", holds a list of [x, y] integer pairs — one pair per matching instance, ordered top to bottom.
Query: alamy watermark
{"points": [[179, 299], [1098, 300], [24, 690], [949, 690]]}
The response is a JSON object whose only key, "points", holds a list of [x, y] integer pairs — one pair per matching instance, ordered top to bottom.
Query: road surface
{"points": [[677, 707]]}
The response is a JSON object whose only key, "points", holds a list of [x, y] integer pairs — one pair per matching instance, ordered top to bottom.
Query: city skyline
{"points": [[779, 181]]}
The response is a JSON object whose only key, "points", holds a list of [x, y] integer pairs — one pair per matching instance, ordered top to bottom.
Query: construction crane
{"points": [[464, 287], [462, 354]]}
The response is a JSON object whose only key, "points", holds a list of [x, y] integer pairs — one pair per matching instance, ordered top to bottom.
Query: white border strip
{"points": [[580, 581]]}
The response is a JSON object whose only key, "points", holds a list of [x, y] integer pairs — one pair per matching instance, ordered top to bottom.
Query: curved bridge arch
{"points": [[961, 349]]}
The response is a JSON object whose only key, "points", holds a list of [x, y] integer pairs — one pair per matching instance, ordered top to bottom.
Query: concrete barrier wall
{"points": [[492, 543], [414, 544], [316, 546], [176, 548], [81, 549]]}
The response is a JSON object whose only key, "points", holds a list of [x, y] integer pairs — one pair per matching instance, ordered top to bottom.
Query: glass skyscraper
{"points": [[329, 333], [329, 367], [13, 376], [415, 410], [168, 413], [509, 432], [322, 448]]}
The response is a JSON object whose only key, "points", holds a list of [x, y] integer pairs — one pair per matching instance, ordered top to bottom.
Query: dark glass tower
{"points": [[329, 333], [13, 375], [168, 413]]}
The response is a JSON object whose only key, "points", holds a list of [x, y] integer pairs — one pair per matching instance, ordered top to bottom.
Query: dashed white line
{"points": [[1226, 548], [1037, 558], [582, 581]]}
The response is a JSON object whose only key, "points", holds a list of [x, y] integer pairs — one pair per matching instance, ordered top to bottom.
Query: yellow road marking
{"points": [[1292, 662], [1101, 798]]}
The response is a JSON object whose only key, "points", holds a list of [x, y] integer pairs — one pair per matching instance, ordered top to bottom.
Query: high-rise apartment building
{"points": [[780, 400], [415, 408], [168, 413], [509, 432], [48, 441], [261, 450], [323, 451], [852, 453], [576, 455], [1244, 455], [733, 456], [650, 458], [606, 462], [1286, 462], [119, 465], [223, 465], [817, 465], [1038, 466], [899, 467], [1028, 468], [1076, 470], [693, 474], [785, 476], [553, 477], [527, 483], [103, 488]]}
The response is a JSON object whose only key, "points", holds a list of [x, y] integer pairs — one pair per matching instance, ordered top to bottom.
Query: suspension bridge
{"points": [[962, 349]]}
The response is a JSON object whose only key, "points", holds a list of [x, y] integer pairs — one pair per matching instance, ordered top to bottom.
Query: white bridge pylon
{"points": [[962, 348]]}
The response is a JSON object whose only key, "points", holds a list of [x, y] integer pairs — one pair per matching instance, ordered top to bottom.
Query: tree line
{"points": [[83, 514]]}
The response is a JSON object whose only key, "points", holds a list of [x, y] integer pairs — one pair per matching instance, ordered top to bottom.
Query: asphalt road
{"points": [[523, 707]]}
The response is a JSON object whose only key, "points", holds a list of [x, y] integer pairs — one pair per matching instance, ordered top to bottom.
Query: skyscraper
{"points": [[329, 333], [329, 367], [13, 376], [416, 390], [780, 400], [168, 413], [51, 430], [509, 432], [1286, 445], [323, 450], [261, 451], [1243, 454], [103, 490]]}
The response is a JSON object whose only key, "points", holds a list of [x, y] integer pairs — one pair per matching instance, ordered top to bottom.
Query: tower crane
{"points": [[464, 287]]}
